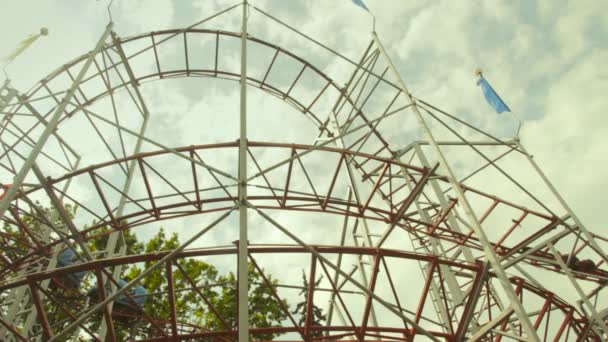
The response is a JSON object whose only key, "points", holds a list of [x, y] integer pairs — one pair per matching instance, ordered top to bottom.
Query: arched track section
{"points": [[145, 60], [296, 184], [552, 315]]}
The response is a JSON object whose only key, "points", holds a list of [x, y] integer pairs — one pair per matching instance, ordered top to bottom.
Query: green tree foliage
{"points": [[17, 242], [218, 311], [317, 313]]}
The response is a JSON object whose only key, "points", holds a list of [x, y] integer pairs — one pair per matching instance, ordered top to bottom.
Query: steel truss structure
{"points": [[430, 243]]}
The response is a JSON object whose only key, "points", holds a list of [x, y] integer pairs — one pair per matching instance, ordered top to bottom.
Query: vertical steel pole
{"points": [[52, 124], [468, 209], [243, 284]]}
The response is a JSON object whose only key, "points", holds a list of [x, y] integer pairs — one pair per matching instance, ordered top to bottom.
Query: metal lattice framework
{"points": [[413, 198]]}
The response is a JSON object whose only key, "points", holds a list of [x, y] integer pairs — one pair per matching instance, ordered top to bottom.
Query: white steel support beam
{"points": [[52, 124], [468, 209], [452, 216], [243, 281], [491, 325]]}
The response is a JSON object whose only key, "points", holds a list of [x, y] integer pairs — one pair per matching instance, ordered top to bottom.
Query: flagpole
{"points": [[373, 22], [23, 45], [479, 74], [519, 123], [242, 255]]}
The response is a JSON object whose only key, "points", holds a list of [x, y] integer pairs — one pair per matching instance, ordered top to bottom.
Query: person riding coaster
{"points": [[67, 257], [587, 265], [130, 302]]}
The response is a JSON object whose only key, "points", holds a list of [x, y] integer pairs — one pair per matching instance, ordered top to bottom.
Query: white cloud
{"points": [[546, 59]]}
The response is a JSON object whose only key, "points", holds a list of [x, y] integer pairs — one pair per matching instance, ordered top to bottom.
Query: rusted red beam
{"points": [[217, 51], [155, 53], [186, 53], [274, 58], [295, 81], [317, 97], [234, 144], [360, 165], [144, 176], [288, 177], [195, 181], [333, 182], [222, 185], [270, 187], [375, 187], [103, 198], [508, 203], [488, 211], [443, 216], [23, 227], [510, 230], [517, 248], [110, 262], [371, 287], [336, 291], [394, 291], [518, 292], [171, 294], [276, 296], [423, 296], [203, 297], [310, 297], [471, 303], [62, 306], [546, 307], [107, 315], [42, 319], [565, 323], [13, 330], [284, 330]]}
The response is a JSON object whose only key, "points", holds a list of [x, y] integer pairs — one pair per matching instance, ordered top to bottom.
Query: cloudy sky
{"points": [[544, 58]]}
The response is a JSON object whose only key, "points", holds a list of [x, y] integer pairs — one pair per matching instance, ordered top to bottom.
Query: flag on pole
{"points": [[361, 4], [24, 44], [488, 92]]}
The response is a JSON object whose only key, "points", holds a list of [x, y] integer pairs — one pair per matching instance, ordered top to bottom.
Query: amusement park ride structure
{"points": [[441, 222]]}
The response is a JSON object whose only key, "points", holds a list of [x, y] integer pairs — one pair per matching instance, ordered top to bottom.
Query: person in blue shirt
{"points": [[68, 258], [136, 299]]}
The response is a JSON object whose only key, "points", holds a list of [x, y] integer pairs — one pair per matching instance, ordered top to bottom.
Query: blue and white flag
{"points": [[361, 4], [493, 99]]}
